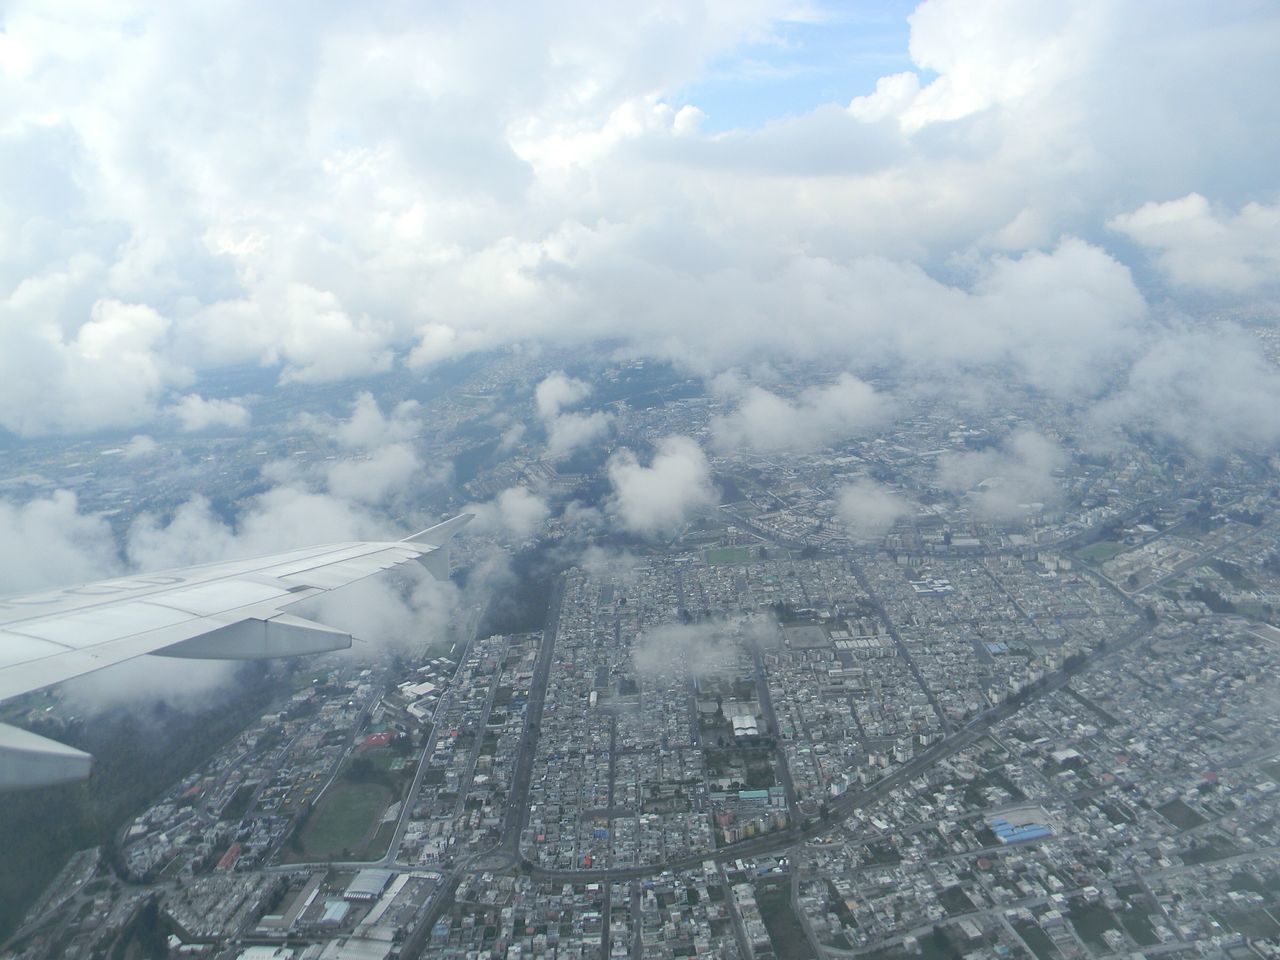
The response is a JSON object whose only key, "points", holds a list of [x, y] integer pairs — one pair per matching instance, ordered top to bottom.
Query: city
{"points": [[579, 480], [766, 735]]}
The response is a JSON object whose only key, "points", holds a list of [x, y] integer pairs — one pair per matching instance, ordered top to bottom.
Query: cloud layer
{"points": [[334, 194]]}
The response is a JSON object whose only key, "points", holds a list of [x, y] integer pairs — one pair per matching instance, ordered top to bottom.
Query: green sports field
{"points": [[728, 555]]}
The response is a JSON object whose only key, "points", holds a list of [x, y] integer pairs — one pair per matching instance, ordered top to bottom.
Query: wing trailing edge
{"points": [[30, 760]]}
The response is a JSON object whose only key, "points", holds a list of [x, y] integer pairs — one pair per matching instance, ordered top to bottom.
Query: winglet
{"points": [[441, 533]]}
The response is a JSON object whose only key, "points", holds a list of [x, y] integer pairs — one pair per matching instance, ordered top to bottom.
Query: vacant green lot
{"points": [[1101, 551], [726, 555], [1180, 815], [344, 822], [1091, 920], [1139, 926], [785, 930], [1037, 940]]}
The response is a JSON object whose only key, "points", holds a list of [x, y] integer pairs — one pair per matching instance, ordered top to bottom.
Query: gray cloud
{"points": [[1210, 390], [556, 392], [368, 427], [140, 446], [1004, 482], [868, 508], [49, 543], [707, 648], [680, 650]]}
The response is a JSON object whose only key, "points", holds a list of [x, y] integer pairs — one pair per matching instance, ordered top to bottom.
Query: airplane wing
{"points": [[221, 611]]}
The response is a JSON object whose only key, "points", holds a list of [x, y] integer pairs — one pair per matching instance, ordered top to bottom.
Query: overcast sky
{"points": [[335, 189]]}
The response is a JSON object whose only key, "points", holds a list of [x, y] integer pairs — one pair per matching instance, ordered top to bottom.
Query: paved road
{"points": [[903, 652], [771, 718], [406, 809], [517, 813]]}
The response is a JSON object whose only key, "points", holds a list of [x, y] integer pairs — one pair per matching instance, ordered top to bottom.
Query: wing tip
{"points": [[441, 533]]}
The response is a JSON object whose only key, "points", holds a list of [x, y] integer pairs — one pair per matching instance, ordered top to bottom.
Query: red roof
{"points": [[376, 740], [230, 857]]}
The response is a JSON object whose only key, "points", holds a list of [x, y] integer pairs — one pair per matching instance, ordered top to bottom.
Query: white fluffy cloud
{"points": [[1198, 247], [106, 371], [557, 392], [195, 413], [765, 422], [368, 427], [567, 431], [140, 447], [374, 478], [659, 498], [869, 508], [515, 514], [283, 518], [676, 649]]}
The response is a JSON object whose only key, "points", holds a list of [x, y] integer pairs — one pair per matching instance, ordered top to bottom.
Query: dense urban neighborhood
{"points": [[1008, 719]]}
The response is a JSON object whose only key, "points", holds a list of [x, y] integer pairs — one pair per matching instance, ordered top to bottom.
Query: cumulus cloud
{"points": [[1200, 248], [321, 341], [108, 372], [557, 392], [195, 413], [765, 422], [368, 427], [567, 432], [511, 437], [140, 447], [374, 478], [1006, 481], [659, 498], [868, 508], [515, 514], [400, 612], [698, 649], [183, 685]]}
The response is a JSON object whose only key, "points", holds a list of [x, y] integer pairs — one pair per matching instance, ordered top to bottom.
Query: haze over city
{"points": [[868, 417]]}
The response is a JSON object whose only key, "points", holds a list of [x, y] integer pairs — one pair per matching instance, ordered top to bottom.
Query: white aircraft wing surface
{"points": [[221, 611]]}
